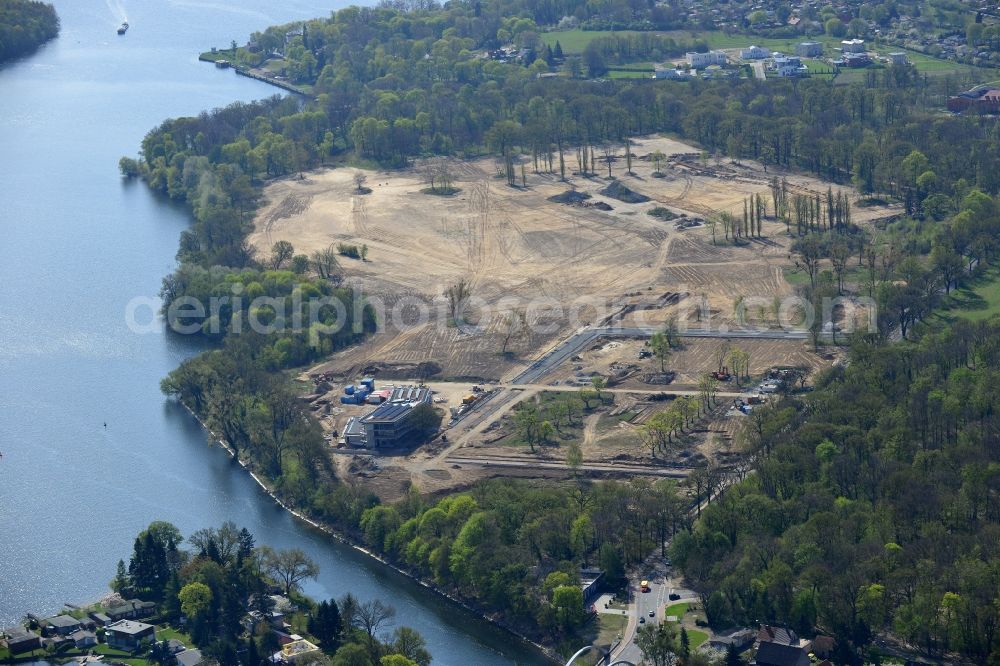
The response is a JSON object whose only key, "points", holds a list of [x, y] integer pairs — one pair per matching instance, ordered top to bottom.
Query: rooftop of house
{"points": [[62, 621], [130, 627], [19, 634], [80, 634], [771, 634], [175, 646], [297, 647], [779, 654], [189, 658]]}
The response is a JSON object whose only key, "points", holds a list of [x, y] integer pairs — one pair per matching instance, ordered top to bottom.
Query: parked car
{"points": [[673, 596], [652, 613], [642, 620]]}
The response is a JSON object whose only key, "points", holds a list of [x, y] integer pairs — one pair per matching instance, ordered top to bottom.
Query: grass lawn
{"points": [[574, 41], [629, 74], [977, 300], [676, 609], [610, 627], [169, 633], [696, 638], [119, 655]]}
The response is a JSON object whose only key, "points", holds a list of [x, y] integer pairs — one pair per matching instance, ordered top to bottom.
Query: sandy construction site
{"points": [[520, 251]]}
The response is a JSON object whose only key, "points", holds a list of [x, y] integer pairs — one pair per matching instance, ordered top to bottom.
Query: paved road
{"points": [[758, 70], [586, 336], [536, 463], [663, 582]]}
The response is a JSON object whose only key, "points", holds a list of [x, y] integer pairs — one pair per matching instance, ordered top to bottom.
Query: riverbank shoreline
{"points": [[247, 72], [344, 540]]}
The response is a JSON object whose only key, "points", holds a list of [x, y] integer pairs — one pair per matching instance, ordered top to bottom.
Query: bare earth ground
{"points": [[511, 243], [517, 250]]}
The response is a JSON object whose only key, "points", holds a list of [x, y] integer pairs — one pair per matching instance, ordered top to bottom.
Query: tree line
{"points": [[24, 26], [517, 548], [223, 588]]}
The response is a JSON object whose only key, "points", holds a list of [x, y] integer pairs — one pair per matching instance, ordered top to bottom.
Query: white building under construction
{"points": [[391, 423]]}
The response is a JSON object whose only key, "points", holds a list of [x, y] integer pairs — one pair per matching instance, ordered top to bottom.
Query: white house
{"points": [[853, 46], [755, 53], [898, 58], [702, 60], [788, 65], [670, 74]]}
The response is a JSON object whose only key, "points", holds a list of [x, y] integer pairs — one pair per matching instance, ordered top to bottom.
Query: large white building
{"points": [[853, 46], [755, 53], [702, 60], [788, 66]]}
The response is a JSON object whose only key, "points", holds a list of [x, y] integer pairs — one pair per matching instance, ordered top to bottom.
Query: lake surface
{"points": [[77, 245]]}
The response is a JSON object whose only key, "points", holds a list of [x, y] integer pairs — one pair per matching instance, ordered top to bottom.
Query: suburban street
{"points": [[662, 583]]}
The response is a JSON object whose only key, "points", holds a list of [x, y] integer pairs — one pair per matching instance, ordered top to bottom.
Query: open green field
{"points": [[574, 41], [629, 74], [977, 300], [676, 609], [696, 638]]}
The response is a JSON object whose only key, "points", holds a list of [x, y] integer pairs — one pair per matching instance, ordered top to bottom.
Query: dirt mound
{"points": [[618, 191], [570, 197], [602, 205], [662, 213]]}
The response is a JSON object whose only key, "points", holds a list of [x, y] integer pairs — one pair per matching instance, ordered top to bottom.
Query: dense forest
{"points": [[24, 26], [873, 503], [518, 548], [226, 588]]}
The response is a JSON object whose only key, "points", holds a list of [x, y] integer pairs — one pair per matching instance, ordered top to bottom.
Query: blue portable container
{"points": [[368, 383], [349, 390]]}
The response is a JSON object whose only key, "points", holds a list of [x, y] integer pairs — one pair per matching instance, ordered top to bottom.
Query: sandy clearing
{"points": [[514, 247]]}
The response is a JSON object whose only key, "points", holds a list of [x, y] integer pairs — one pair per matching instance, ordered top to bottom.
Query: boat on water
{"points": [[122, 28]]}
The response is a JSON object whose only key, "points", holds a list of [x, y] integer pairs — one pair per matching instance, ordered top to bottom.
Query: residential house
{"points": [[853, 46], [809, 49], [755, 53], [898, 58], [702, 60], [856, 60], [788, 66], [670, 74], [133, 609], [101, 619], [63, 625], [129, 634], [771, 634], [83, 638], [740, 639], [21, 640], [173, 646], [823, 646], [296, 652], [780, 654], [189, 658]]}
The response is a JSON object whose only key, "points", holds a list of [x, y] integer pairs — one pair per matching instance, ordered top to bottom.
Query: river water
{"points": [[77, 244]]}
